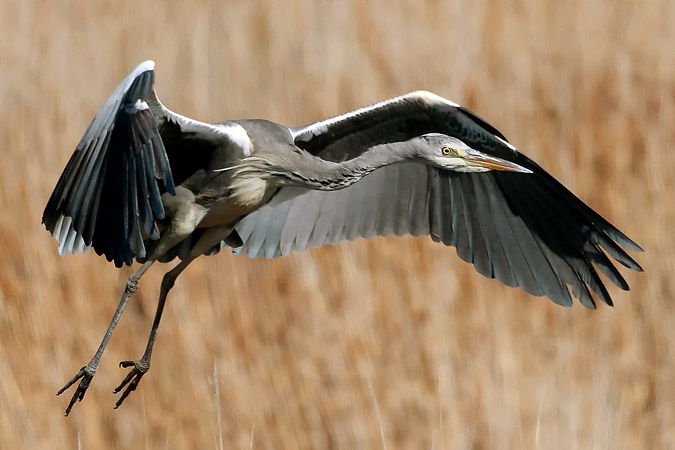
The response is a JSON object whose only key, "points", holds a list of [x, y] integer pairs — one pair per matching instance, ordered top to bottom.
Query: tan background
{"points": [[384, 343]]}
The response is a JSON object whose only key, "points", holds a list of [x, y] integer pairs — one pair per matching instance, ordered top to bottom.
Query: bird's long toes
{"points": [[139, 368], [85, 374]]}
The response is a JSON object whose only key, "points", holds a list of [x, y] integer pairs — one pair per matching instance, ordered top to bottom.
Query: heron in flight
{"points": [[149, 185]]}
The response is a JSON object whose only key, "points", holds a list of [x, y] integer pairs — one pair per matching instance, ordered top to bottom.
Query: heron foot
{"points": [[139, 367], [86, 373]]}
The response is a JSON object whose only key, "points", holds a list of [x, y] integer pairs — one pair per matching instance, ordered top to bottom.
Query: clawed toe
{"points": [[139, 368], [86, 373]]}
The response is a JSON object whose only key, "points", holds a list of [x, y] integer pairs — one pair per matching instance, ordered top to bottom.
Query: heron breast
{"points": [[249, 191]]}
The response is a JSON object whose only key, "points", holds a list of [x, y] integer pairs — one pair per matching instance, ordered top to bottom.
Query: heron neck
{"points": [[332, 176]]}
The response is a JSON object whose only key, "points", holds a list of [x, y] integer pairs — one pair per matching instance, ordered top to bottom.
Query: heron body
{"points": [[148, 184]]}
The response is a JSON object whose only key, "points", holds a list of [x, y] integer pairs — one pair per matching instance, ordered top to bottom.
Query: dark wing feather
{"points": [[109, 195], [526, 230]]}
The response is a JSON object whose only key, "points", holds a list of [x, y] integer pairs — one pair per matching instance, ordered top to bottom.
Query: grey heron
{"points": [[147, 184]]}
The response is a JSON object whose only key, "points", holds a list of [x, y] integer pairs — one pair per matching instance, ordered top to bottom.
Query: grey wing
{"points": [[109, 195], [390, 201], [525, 230]]}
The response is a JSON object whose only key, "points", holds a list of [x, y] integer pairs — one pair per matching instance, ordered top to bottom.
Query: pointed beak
{"points": [[477, 159]]}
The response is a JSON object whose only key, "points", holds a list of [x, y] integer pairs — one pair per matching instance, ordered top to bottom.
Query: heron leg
{"points": [[140, 366], [87, 372]]}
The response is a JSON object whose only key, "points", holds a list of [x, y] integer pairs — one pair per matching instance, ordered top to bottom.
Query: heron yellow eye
{"points": [[446, 150]]}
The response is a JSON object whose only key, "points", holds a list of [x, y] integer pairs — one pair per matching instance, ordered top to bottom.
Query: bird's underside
{"points": [[148, 184]]}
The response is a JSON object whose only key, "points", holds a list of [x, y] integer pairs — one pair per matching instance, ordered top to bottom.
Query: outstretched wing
{"points": [[109, 195], [526, 230]]}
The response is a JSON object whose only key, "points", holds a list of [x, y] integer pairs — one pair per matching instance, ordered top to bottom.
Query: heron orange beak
{"points": [[474, 158]]}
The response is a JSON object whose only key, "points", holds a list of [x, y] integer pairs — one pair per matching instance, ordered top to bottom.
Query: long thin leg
{"points": [[140, 366], [87, 372]]}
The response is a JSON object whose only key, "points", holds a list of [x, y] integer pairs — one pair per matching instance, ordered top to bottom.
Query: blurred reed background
{"points": [[392, 342]]}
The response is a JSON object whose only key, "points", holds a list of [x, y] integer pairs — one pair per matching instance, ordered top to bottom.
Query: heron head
{"points": [[450, 153]]}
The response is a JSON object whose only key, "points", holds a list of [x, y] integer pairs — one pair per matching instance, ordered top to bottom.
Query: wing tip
{"points": [[69, 239], [630, 244]]}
